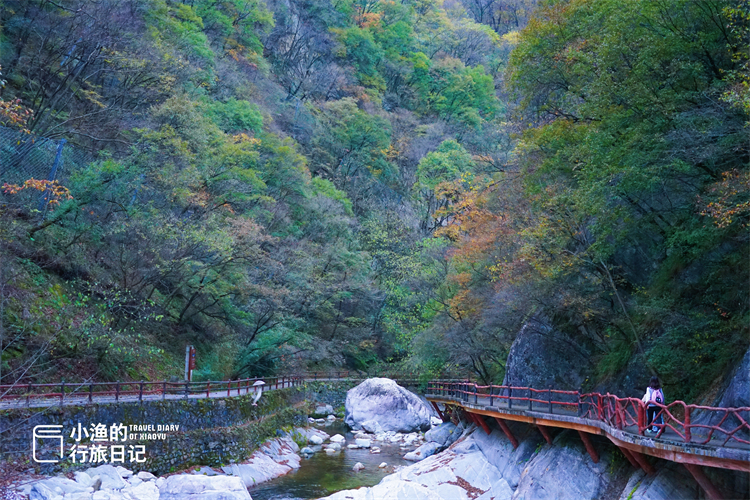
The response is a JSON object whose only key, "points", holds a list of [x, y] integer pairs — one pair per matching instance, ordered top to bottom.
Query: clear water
{"points": [[323, 474]]}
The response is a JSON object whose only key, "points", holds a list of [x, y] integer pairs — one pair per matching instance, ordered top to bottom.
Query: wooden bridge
{"points": [[692, 435]]}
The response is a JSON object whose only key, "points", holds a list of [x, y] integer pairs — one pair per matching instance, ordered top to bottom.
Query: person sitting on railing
{"points": [[654, 394]]}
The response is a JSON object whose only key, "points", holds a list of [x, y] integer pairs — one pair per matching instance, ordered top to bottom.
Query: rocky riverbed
{"points": [[452, 462]]}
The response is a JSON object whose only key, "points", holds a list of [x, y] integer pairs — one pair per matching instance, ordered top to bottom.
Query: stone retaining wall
{"points": [[211, 431]]}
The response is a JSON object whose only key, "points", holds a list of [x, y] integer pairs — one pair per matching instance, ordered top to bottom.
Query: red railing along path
{"points": [[40, 395], [730, 425], [690, 434]]}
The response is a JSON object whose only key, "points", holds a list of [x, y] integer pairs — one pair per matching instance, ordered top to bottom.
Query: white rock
{"points": [[379, 404], [331, 418], [436, 420], [320, 421], [338, 438], [315, 440], [363, 443], [335, 446], [352, 446], [307, 450], [330, 450], [375, 451], [422, 452], [383, 465], [358, 467], [257, 469], [124, 473], [145, 476], [83, 479], [111, 479], [134, 481], [160, 481], [191, 487], [143, 491]]}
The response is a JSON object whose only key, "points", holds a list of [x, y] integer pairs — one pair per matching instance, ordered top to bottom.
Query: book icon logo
{"points": [[48, 432]]}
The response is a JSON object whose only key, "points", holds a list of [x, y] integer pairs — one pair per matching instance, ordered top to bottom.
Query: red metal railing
{"points": [[86, 392], [726, 424]]}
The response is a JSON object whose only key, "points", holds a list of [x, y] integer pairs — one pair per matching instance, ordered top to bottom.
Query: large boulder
{"points": [[390, 406], [192, 487]]}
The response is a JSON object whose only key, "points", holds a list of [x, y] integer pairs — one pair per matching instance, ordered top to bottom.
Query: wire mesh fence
{"points": [[25, 156]]}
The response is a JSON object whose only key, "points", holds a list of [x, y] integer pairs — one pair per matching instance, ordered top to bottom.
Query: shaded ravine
{"points": [[323, 474]]}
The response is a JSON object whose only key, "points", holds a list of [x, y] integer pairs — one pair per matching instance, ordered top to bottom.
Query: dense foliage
{"points": [[370, 183]]}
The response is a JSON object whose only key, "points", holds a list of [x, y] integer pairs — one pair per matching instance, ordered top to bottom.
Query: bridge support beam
{"points": [[440, 413], [480, 422], [507, 432], [545, 433], [589, 446], [630, 458], [643, 462], [712, 493]]}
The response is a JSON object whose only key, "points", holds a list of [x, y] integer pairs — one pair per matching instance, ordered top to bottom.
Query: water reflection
{"points": [[323, 474]]}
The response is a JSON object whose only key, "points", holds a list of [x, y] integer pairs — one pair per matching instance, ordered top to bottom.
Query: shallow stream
{"points": [[323, 474]]}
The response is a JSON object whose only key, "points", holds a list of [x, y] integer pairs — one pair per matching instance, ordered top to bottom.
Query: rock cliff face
{"points": [[541, 356], [486, 467]]}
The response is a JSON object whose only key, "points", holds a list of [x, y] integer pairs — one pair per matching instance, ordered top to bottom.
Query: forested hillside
{"points": [[373, 184]]}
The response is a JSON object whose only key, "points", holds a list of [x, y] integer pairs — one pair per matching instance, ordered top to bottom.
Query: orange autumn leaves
{"points": [[55, 192]]}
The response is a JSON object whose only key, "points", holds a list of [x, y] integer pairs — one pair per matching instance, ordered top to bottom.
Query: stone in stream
{"points": [[379, 404], [322, 411], [331, 418], [338, 438], [315, 440], [363, 443], [307, 450], [330, 450], [375, 450], [383, 465], [358, 467]]}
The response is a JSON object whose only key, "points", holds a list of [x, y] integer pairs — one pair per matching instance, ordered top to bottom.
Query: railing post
{"points": [[229, 388], [187, 389], [208, 389], [164, 390], [91, 392], [117, 392], [140, 392], [62, 393], [476, 395], [510, 397], [491, 398], [549, 398], [579, 404], [530, 408], [641, 417], [688, 435]]}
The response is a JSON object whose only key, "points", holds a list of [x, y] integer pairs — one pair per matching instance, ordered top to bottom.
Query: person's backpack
{"points": [[657, 396]]}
